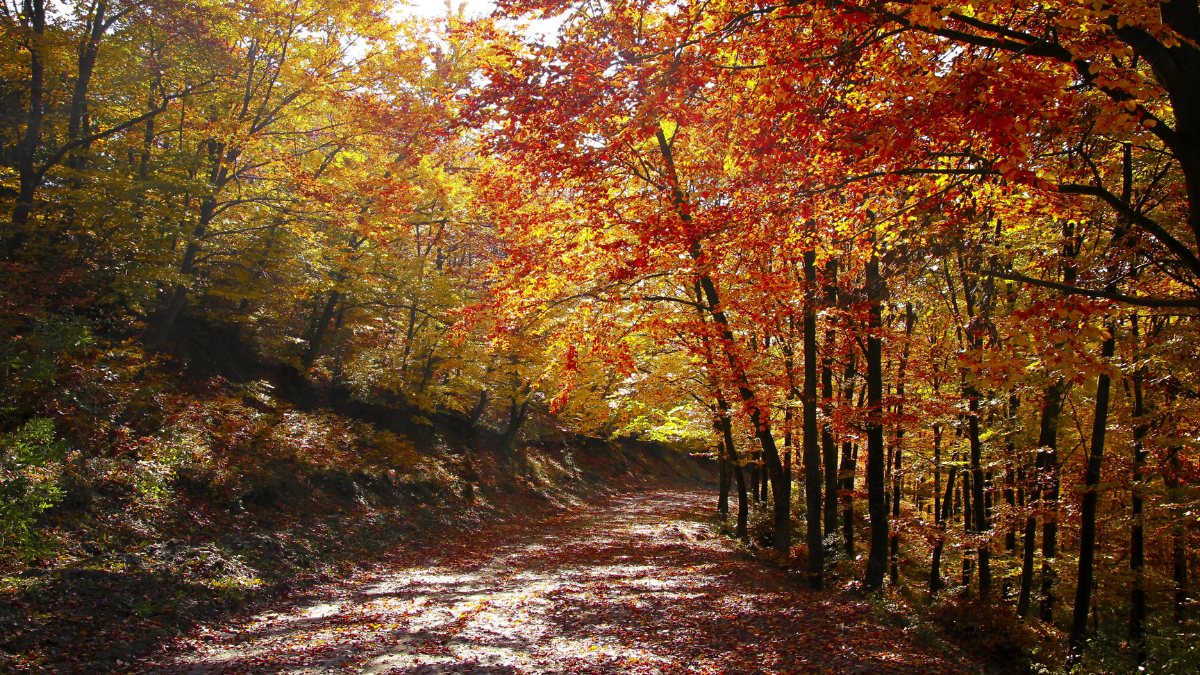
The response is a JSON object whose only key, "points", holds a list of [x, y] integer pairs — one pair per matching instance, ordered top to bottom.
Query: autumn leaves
{"points": [[1014, 181]]}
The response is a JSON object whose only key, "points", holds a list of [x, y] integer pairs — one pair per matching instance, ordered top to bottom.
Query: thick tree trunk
{"points": [[88, 51], [314, 342], [480, 406], [516, 417], [735, 466], [876, 506], [1087, 530]]}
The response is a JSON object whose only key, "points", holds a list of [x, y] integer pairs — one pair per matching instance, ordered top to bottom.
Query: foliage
{"points": [[949, 253], [31, 461]]}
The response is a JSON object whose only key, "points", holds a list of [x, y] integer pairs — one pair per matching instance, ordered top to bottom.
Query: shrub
{"points": [[31, 462]]}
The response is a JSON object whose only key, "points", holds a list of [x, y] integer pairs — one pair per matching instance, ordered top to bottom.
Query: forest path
{"points": [[633, 584]]}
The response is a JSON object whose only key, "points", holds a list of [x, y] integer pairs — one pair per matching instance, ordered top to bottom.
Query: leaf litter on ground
{"points": [[633, 584]]}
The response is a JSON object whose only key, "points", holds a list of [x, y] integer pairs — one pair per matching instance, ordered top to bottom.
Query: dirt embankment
{"points": [[129, 578]]}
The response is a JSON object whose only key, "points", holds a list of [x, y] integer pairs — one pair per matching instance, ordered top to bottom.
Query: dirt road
{"points": [[635, 584]]}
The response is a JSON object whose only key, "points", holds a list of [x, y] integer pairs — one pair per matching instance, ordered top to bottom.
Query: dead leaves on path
{"points": [[631, 586]]}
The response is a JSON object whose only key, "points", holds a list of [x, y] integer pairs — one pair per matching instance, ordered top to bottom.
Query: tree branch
{"points": [[1181, 251], [1158, 303]]}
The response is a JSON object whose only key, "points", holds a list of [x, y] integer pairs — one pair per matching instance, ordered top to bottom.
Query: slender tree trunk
{"points": [[33, 12], [187, 267], [910, 318], [759, 418], [724, 426], [1048, 441], [828, 445], [812, 451], [848, 468], [725, 478], [766, 480], [754, 493], [1010, 495], [979, 518], [968, 530], [1087, 532], [1178, 534], [1029, 540], [1137, 554], [877, 557], [935, 565]]}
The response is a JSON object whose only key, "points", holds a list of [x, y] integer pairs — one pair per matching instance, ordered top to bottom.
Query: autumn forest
{"points": [[875, 324]]}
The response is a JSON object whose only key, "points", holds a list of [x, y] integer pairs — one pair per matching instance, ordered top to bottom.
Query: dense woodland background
{"points": [[923, 278]]}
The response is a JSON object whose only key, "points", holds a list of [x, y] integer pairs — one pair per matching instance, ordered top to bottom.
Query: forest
{"points": [[912, 290]]}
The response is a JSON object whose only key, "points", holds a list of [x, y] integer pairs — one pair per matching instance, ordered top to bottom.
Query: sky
{"points": [[437, 8]]}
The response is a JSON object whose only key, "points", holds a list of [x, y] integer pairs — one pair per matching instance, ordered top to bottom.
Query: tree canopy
{"points": [[961, 237]]}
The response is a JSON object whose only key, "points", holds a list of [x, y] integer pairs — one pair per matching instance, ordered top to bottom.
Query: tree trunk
{"points": [[34, 12], [83, 77], [208, 207], [910, 317], [314, 343], [480, 406], [516, 417], [760, 419], [1048, 441], [828, 445], [812, 451], [735, 465], [848, 469], [725, 479], [754, 493], [1010, 495], [876, 506], [979, 517], [968, 530], [1087, 532], [1178, 533], [1029, 539], [1137, 554], [935, 564]]}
